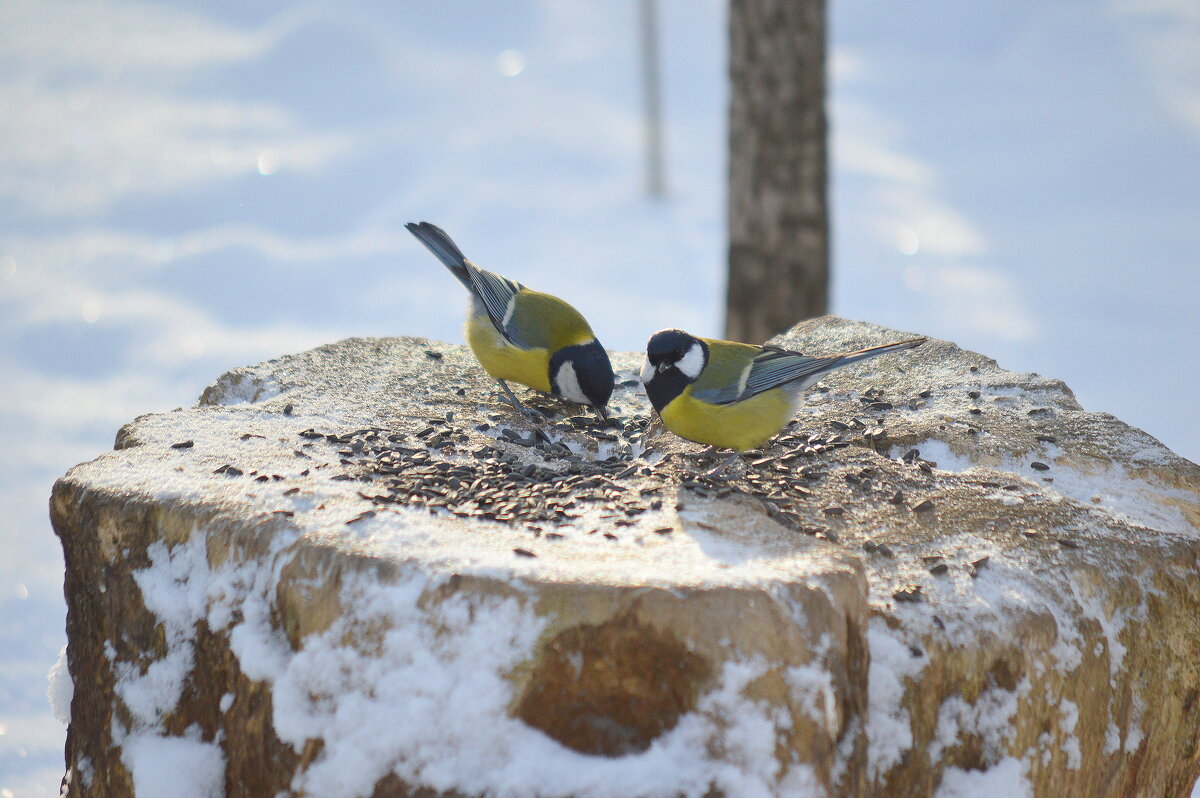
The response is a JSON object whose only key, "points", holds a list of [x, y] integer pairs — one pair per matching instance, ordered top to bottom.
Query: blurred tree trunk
{"points": [[778, 215]]}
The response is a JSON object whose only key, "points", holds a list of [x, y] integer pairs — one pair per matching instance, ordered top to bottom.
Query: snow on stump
{"points": [[355, 572]]}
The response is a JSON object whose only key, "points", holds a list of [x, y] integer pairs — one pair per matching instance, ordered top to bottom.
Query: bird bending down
{"points": [[525, 336], [731, 395]]}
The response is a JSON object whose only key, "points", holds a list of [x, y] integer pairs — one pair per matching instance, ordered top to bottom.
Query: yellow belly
{"points": [[503, 361], [741, 426]]}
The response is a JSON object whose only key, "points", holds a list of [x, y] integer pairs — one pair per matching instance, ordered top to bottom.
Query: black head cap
{"points": [[668, 346], [582, 374]]}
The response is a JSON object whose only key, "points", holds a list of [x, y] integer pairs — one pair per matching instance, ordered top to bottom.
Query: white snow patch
{"points": [[242, 387], [1109, 489], [173, 588], [1093, 604], [402, 685], [61, 688], [812, 689], [428, 700], [1069, 712], [990, 717], [889, 726], [1135, 735], [1112, 738], [175, 766], [1005, 779]]}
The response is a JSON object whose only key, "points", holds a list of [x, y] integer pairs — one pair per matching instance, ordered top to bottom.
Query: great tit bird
{"points": [[523, 335], [731, 395]]}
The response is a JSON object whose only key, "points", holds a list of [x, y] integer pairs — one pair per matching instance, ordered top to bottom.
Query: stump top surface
{"points": [[398, 448]]}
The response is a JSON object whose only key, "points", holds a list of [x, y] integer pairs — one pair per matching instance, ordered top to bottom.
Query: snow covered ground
{"points": [[186, 187]]}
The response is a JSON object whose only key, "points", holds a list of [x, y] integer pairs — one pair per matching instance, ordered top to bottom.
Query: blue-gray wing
{"points": [[497, 294], [772, 368]]}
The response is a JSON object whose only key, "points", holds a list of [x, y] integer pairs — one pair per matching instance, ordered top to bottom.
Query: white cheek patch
{"points": [[692, 362], [647, 372], [568, 384]]}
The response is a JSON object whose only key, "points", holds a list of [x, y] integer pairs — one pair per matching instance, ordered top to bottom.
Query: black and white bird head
{"points": [[674, 360], [583, 374]]}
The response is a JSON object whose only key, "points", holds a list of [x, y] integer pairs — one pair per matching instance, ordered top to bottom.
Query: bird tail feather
{"points": [[441, 245], [875, 351]]}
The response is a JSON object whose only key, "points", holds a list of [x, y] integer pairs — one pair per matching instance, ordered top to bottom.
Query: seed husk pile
{"points": [[442, 467], [578, 470]]}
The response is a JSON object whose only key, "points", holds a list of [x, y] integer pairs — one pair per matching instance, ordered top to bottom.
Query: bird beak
{"points": [[600, 411]]}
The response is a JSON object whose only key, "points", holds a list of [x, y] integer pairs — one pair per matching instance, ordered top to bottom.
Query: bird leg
{"points": [[528, 412], [714, 472]]}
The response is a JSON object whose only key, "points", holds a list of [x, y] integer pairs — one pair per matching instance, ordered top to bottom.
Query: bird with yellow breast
{"points": [[524, 336], [731, 395]]}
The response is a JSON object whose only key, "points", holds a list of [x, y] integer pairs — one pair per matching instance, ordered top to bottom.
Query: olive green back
{"points": [[727, 362]]}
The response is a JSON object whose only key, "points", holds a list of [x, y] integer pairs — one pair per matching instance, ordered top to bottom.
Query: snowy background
{"points": [[190, 186]]}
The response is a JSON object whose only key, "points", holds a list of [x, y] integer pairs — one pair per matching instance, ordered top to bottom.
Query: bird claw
{"points": [[535, 416]]}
